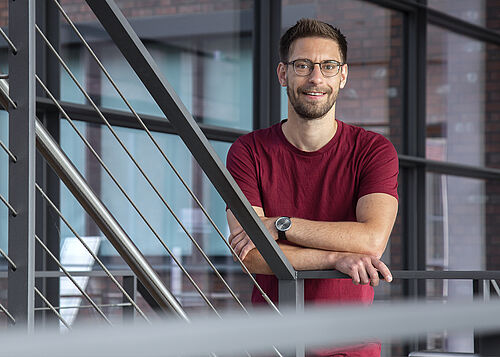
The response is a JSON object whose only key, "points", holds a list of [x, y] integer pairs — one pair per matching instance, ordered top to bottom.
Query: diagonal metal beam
{"points": [[164, 95]]}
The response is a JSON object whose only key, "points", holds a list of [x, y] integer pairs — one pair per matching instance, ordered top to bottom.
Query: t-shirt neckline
{"points": [[321, 151]]}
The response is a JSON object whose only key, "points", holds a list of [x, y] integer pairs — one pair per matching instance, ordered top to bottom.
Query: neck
{"points": [[310, 135]]}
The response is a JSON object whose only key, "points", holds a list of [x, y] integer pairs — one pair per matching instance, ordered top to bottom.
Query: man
{"points": [[325, 190]]}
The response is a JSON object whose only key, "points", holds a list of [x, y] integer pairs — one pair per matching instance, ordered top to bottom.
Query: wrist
{"points": [[333, 258]]}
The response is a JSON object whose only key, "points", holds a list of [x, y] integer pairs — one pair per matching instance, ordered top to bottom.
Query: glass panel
{"points": [[477, 12], [204, 51], [75, 58], [372, 97], [462, 99], [155, 211], [462, 234], [393, 255]]}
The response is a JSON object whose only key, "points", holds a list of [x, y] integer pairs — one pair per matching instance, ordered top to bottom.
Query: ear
{"points": [[281, 72], [343, 75]]}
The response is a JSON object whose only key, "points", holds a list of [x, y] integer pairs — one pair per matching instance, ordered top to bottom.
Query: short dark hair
{"points": [[311, 28]]}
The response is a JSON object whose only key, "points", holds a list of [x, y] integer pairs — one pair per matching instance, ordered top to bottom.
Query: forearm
{"points": [[375, 216], [354, 237], [301, 259]]}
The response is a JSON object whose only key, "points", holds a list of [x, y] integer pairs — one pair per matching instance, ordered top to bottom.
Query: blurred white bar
{"points": [[318, 327]]}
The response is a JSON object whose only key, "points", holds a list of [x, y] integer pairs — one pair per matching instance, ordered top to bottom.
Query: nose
{"points": [[316, 76]]}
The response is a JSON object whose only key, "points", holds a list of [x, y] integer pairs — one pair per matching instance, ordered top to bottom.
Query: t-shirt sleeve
{"points": [[242, 165], [380, 169]]}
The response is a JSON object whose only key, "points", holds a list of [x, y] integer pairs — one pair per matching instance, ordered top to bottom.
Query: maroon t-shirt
{"points": [[323, 185]]}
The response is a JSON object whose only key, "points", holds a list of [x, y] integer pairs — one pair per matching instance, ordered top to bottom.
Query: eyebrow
{"points": [[307, 59]]}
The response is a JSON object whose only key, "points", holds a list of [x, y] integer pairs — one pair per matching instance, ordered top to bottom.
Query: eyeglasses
{"points": [[304, 67]]}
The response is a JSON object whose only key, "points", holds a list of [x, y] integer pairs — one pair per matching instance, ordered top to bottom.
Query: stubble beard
{"points": [[310, 111]]}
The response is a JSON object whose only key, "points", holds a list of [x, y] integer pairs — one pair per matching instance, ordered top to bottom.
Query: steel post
{"points": [[266, 88], [22, 173], [47, 225], [130, 286], [291, 300]]}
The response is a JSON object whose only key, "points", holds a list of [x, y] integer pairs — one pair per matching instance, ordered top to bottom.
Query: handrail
{"points": [[75, 182], [320, 274], [409, 274]]}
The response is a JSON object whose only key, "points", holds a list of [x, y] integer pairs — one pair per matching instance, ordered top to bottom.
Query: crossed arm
{"points": [[353, 248]]}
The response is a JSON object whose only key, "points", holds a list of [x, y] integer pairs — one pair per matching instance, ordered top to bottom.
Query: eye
{"points": [[301, 65], [329, 67]]}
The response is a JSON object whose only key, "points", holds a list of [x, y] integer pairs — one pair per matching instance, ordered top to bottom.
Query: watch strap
{"points": [[282, 235]]}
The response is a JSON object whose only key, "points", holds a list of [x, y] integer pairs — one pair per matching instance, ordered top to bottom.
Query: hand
{"points": [[241, 242], [363, 269]]}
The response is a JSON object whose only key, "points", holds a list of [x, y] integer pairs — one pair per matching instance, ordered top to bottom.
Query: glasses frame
{"points": [[339, 66]]}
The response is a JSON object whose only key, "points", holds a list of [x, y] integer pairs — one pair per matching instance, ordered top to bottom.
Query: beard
{"points": [[308, 110]]}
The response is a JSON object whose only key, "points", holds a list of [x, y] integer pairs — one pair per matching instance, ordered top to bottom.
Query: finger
{"points": [[236, 240], [239, 247], [246, 250], [383, 269], [354, 275], [363, 276], [374, 278]]}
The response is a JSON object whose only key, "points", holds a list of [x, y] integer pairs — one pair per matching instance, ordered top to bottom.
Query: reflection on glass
{"points": [[470, 11], [204, 52], [75, 58], [462, 94], [372, 96], [154, 210], [462, 234]]}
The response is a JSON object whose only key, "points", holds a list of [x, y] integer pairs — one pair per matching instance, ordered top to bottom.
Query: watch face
{"points": [[283, 224]]}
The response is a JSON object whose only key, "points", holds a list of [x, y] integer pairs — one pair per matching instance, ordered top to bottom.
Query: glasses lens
{"points": [[302, 67], [330, 69]]}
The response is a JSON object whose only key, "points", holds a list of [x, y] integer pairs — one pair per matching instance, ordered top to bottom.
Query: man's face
{"points": [[312, 96]]}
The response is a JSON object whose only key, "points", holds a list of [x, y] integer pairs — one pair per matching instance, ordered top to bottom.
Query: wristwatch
{"points": [[282, 224]]}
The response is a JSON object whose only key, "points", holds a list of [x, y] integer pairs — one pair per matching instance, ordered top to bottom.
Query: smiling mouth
{"points": [[314, 93]]}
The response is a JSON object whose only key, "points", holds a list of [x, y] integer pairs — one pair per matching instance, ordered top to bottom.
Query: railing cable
{"points": [[9, 42], [6, 149], [134, 161], [104, 166], [176, 172], [6, 203], [12, 264], [101, 264], [70, 277], [495, 286], [53, 309], [6, 312]]}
